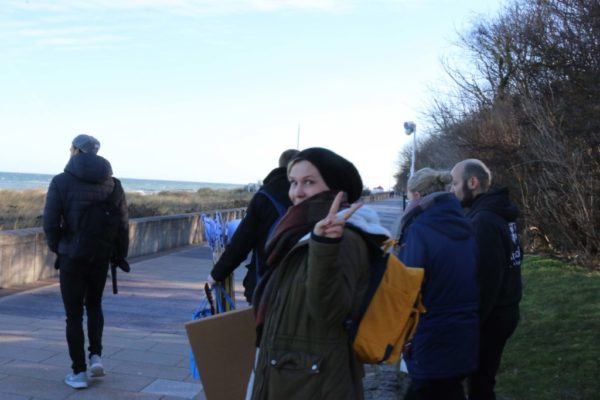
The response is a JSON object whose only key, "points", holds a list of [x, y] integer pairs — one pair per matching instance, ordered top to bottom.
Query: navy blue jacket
{"points": [[87, 178], [436, 236]]}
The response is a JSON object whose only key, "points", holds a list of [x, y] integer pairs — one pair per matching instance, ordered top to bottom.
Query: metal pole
{"points": [[410, 128], [414, 152]]}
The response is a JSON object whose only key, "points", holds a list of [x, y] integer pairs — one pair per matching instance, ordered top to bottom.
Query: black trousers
{"points": [[82, 286], [500, 325], [436, 389]]}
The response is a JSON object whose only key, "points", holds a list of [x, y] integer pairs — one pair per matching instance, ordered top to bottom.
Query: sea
{"points": [[22, 181]]}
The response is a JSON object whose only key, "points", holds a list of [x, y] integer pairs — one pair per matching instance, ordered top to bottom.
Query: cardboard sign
{"points": [[224, 349]]}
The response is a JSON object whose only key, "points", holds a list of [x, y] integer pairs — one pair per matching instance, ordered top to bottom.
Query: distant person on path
{"points": [[86, 181], [265, 208], [494, 218], [436, 236], [317, 274]]}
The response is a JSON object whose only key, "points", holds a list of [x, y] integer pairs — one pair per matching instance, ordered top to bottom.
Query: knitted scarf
{"points": [[295, 224]]}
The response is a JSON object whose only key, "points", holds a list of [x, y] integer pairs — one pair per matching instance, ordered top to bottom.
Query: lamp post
{"points": [[410, 128]]}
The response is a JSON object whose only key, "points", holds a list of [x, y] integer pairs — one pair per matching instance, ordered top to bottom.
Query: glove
{"points": [[122, 263]]}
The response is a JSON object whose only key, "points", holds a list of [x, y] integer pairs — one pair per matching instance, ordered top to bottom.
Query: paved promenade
{"points": [[146, 352]]}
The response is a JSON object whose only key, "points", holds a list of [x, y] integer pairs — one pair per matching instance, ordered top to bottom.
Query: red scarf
{"points": [[295, 224]]}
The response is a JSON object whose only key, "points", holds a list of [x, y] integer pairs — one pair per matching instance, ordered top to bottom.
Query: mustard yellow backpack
{"points": [[390, 311]]}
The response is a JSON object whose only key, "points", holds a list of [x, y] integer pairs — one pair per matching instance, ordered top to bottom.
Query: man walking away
{"points": [[265, 208], [493, 216], [85, 241]]}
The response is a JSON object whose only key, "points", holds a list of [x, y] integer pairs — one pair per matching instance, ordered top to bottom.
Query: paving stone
{"points": [[15, 320], [9, 329], [44, 329], [125, 333], [170, 338], [116, 342], [45, 344], [171, 348], [107, 351], [19, 352], [149, 357], [60, 359], [4, 360], [185, 362], [34, 370], [151, 370], [121, 381], [39, 388], [174, 388], [110, 394], [8, 396], [199, 396]]}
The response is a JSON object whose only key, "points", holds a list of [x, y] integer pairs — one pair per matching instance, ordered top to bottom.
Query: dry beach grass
{"points": [[24, 208]]}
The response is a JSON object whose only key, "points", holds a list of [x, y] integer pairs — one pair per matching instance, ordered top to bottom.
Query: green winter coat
{"points": [[305, 352]]}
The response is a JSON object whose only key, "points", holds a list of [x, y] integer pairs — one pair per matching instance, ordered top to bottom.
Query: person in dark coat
{"points": [[87, 178], [265, 208], [493, 216], [436, 236]]}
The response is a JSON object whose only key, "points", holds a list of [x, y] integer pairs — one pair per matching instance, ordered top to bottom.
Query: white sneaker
{"points": [[96, 367], [77, 381]]}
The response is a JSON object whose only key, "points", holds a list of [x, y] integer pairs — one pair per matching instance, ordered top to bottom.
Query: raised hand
{"points": [[332, 226]]}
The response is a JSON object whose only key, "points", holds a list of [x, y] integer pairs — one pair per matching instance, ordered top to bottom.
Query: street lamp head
{"points": [[410, 127]]}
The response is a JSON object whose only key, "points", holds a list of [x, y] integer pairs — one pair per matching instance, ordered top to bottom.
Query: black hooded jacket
{"points": [[87, 178], [494, 218], [252, 233]]}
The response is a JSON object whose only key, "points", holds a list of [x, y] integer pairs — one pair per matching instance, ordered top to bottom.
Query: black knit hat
{"points": [[337, 172]]}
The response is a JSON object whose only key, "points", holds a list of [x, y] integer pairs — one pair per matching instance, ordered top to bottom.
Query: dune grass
{"points": [[169, 203], [21, 208], [24, 208], [555, 352]]}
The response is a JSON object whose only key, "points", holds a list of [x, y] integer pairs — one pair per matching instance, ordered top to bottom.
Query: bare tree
{"points": [[528, 105]]}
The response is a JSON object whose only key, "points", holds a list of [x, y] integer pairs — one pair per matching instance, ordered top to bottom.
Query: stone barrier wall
{"points": [[25, 258]]}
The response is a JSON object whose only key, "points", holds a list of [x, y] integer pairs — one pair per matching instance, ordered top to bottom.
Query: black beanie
{"points": [[337, 172]]}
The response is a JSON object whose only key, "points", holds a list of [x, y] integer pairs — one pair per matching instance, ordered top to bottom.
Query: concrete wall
{"points": [[25, 258]]}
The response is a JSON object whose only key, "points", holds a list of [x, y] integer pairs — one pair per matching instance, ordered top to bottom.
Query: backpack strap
{"points": [[112, 198], [278, 206], [281, 210]]}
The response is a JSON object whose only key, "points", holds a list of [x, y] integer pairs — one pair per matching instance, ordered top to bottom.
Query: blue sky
{"points": [[214, 90]]}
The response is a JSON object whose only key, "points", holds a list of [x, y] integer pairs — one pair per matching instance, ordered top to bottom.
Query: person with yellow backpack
{"points": [[435, 235]]}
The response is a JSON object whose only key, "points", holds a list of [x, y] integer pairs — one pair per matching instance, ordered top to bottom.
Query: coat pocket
{"points": [[294, 375]]}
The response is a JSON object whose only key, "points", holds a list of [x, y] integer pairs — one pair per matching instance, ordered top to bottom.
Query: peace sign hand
{"points": [[332, 226]]}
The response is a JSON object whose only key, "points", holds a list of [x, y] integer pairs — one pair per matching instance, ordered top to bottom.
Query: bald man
{"points": [[493, 216]]}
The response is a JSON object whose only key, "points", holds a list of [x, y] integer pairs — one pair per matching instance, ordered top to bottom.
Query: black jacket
{"points": [[87, 178], [494, 218], [253, 232]]}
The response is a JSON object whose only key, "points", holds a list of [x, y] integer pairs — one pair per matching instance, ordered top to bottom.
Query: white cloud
{"points": [[177, 6], [88, 30]]}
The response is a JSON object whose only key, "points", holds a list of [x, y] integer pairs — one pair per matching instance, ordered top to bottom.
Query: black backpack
{"points": [[98, 229]]}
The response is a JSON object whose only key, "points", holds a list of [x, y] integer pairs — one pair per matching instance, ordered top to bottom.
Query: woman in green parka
{"points": [[318, 266]]}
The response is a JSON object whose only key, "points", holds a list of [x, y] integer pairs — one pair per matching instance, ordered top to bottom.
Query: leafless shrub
{"points": [[528, 105]]}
